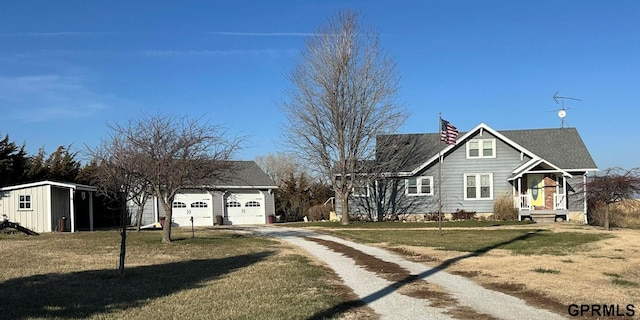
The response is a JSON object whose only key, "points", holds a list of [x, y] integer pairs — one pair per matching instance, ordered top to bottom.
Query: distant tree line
{"points": [[16, 166]]}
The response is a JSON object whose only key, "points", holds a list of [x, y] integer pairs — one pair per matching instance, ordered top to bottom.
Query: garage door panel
{"points": [[245, 208]]}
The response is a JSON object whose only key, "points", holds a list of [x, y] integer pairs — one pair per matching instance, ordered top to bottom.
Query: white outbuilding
{"points": [[47, 206]]}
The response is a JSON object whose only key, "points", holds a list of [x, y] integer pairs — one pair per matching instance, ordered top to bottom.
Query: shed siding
{"points": [[218, 203], [38, 218]]}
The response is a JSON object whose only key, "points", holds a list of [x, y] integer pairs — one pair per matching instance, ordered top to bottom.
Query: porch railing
{"points": [[559, 201], [523, 202]]}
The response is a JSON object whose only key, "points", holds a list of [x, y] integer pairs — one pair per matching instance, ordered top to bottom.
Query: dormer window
{"points": [[481, 148]]}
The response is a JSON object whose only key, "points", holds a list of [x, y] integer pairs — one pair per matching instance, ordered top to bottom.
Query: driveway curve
{"points": [[384, 296]]}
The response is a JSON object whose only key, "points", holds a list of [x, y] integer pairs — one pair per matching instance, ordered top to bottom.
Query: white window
{"points": [[481, 148], [418, 186], [478, 186], [360, 190], [24, 202], [178, 204], [199, 204], [233, 204], [252, 204]]}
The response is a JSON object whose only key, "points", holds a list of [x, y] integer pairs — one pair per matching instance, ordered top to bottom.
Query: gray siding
{"points": [[454, 168], [575, 193], [218, 203], [269, 203]]}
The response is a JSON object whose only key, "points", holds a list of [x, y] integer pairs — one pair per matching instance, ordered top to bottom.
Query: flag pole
{"points": [[439, 176]]}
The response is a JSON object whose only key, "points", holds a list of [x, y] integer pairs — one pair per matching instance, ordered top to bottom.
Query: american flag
{"points": [[448, 133]]}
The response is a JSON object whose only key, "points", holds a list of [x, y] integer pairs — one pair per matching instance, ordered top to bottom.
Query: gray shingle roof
{"points": [[563, 148], [245, 174]]}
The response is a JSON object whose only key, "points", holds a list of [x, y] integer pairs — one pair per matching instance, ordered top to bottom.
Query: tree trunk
{"points": [[345, 207], [139, 217], [606, 217], [166, 230], [123, 240]]}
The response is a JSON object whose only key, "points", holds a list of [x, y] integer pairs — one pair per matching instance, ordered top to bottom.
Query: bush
{"points": [[504, 209], [319, 212], [463, 215], [431, 216]]}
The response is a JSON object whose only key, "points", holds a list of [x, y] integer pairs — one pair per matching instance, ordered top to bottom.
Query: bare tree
{"points": [[342, 95], [170, 152], [279, 166], [110, 172], [611, 186]]}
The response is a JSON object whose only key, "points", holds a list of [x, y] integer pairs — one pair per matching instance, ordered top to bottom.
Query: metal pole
{"points": [[439, 177], [192, 233]]}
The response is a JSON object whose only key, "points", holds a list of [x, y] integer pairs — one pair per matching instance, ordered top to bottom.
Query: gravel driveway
{"points": [[384, 297]]}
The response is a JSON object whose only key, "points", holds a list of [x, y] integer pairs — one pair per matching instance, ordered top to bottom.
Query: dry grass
{"points": [[216, 275], [582, 276]]}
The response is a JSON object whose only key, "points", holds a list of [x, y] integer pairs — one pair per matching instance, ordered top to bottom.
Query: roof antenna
{"points": [[562, 112]]}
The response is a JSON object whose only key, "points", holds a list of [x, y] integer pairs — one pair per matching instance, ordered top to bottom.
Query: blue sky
{"points": [[67, 68]]}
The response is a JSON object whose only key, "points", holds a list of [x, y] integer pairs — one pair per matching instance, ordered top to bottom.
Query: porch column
{"points": [[90, 210], [72, 211]]}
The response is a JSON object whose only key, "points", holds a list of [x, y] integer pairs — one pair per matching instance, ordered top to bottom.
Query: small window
{"points": [[481, 148], [419, 186], [478, 186], [360, 190], [24, 202], [178, 204], [199, 204], [233, 204], [252, 204]]}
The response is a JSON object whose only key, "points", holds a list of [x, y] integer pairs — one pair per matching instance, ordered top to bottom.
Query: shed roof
{"points": [[68, 185]]}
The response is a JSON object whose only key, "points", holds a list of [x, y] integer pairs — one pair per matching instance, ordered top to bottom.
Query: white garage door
{"points": [[198, 206], [245, 208]]}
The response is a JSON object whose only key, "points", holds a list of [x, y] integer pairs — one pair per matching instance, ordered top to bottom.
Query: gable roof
{"points": [[561, 148], [244, 174]]}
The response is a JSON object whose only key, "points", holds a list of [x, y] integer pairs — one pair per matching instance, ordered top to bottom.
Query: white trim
{"points": [[480, 143], [478, 185], [74, 186], [419, 186], [354, 194]]}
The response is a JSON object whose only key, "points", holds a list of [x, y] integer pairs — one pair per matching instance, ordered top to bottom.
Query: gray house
{"points": [[542, 170], [243, 197]]}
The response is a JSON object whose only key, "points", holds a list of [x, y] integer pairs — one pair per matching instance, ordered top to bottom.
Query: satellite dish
{"points": [[562, 113]]}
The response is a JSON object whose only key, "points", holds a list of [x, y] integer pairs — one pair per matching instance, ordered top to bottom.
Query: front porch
{"points": [[541, 197]]}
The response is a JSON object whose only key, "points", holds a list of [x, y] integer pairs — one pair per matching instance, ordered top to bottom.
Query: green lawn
{"points": [[407, 225]]}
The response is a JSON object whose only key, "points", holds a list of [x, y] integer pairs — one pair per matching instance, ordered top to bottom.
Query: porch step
{"points": [[546, 215]]}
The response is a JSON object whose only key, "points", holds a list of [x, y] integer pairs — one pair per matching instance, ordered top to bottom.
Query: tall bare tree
{"points": [[342, 95], [171, 152]]}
